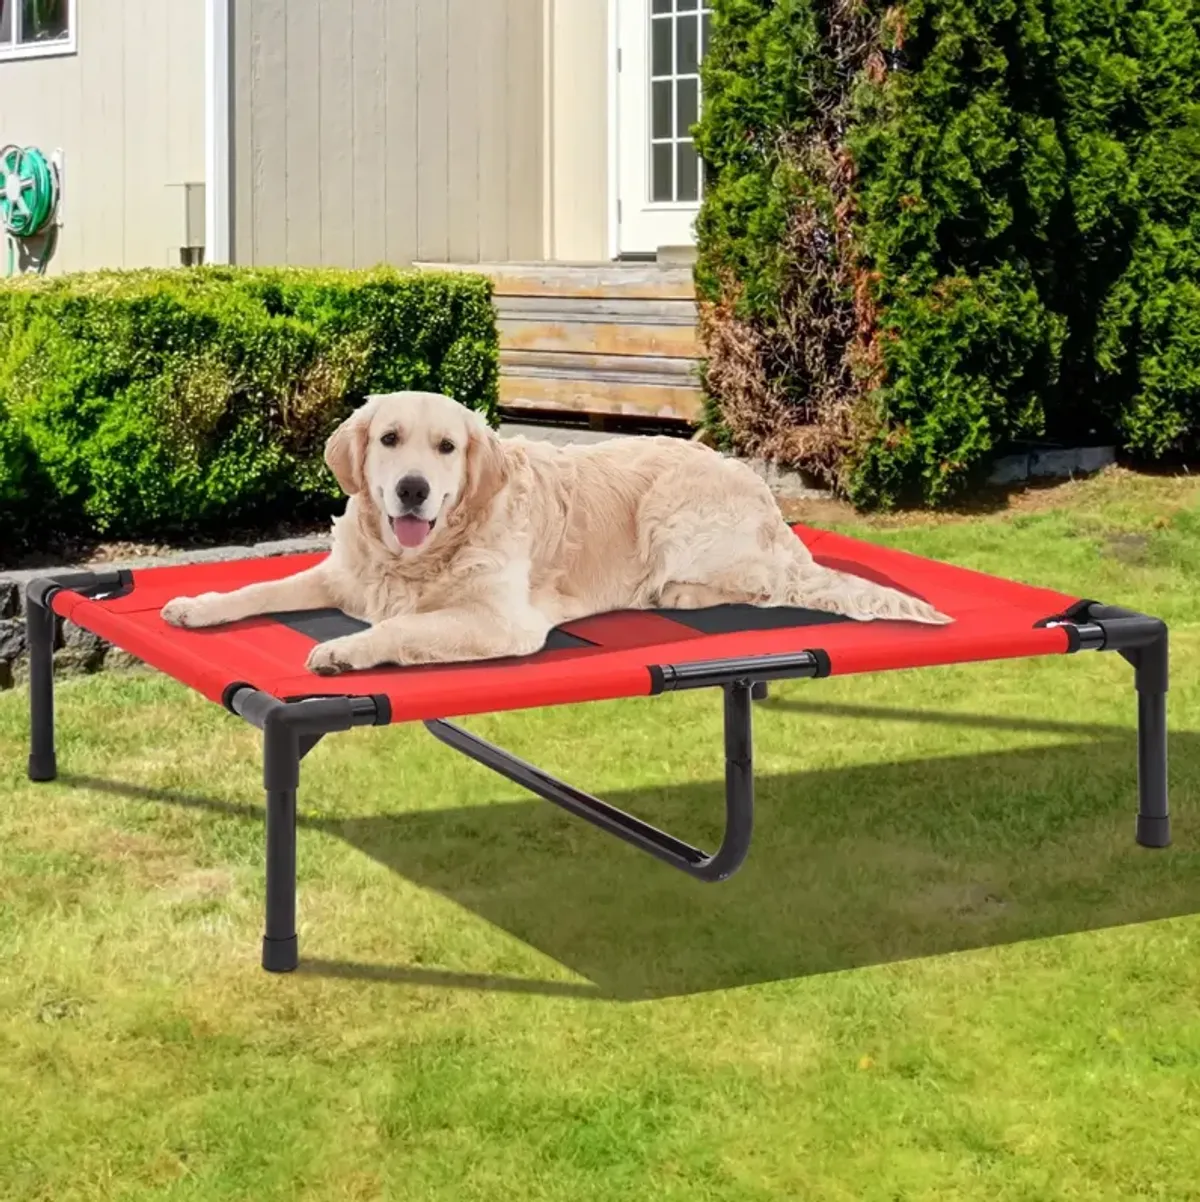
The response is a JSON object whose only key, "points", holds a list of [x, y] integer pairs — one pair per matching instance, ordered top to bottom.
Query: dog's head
{"points": [[423, 460]]}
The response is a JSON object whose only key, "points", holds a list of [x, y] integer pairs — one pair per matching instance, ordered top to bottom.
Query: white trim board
{"points": [[218, 143]]}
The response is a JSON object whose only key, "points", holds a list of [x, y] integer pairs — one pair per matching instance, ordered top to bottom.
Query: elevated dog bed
{"points": [[256, 669]]}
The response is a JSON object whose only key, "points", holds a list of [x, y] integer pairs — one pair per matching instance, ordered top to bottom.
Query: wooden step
{"points": [[645, 280], [605, 326], [595, 339], [674, 341], [645, 369], [595, 397]]}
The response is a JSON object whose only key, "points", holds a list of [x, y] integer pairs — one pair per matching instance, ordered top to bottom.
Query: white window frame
{"points": [[14, 51]]}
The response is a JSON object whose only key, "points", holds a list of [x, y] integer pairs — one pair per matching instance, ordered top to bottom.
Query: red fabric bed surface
{"points": [[994, 619]]}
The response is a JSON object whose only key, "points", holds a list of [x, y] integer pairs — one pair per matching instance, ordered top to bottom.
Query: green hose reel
{"points": [[29, 195]]}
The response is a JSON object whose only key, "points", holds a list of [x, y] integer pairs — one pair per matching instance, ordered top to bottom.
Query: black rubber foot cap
{"points": [[759, 691], [42, 768], [1153, 832], [281, 955]]}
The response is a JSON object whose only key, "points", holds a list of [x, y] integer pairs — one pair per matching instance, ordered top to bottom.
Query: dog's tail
{"points": [[808, 585]]}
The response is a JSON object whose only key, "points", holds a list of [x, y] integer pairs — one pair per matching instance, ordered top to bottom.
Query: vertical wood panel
{"points": [[131, 19], [184, 70], [242, 102], [492, 107], [65, 111], [523, 115], [268, 130], [463, 136], [302, 139], [370, 141], [432, 165], [336, 171], [401, 176], [98, 182], [147, 232]]}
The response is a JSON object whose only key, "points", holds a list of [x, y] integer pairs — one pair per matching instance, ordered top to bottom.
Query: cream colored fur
{"points": [[529, 535]]}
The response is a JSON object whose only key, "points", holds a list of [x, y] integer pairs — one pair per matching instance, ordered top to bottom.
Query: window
{"points": [[34, 28], [678, 42]]}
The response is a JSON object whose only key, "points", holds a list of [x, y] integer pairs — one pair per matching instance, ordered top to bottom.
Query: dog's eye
{"points": [[389, 439], [446, 447]]}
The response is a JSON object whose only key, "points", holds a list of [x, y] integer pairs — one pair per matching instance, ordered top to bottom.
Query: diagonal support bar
{"points": [[739, 793]]}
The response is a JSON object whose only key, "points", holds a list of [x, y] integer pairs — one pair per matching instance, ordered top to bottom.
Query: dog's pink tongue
{"points": [[410, 532]]}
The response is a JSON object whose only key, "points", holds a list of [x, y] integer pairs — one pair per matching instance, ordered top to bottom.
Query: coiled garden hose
{"points": [[28, 199]]}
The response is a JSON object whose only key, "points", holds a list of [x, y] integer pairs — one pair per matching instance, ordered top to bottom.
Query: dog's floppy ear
{"points": [[346, 448], [487, 465]]}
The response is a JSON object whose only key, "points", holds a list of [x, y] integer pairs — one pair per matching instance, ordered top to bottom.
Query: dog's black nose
{"points": [[413, 491]]}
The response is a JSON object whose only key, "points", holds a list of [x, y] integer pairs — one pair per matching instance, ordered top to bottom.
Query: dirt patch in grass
{"points": [[1163, 493]]}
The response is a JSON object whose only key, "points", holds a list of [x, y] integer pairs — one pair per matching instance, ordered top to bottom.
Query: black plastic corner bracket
{"points": [[97, 586], [39, 638], [1144, 643], [704, 866]]}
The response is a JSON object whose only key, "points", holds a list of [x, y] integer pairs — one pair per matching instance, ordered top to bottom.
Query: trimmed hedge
{"points": [[936, 228], [144, 403]]}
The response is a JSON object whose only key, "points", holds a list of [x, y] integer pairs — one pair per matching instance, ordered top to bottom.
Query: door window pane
{"points": [[6, 20], [661, 30], [678, 40], [687, 45], [687, 110], [660, 123], [687, 179], [662, 183]]}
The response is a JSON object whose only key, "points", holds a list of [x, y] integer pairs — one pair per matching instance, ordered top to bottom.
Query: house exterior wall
{"points": [[127, 111], [578, 130], [369, 131]]}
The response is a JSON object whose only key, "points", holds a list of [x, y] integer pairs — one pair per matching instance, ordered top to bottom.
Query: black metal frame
{"points": [[291, 728]]}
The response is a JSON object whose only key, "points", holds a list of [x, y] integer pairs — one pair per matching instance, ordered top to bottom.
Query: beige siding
{"points": [[127, 111], [370, 131], [578, 184]]}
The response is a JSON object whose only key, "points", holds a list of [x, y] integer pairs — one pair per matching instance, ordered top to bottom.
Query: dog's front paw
{"points": [[193, 611], [349, 654]]}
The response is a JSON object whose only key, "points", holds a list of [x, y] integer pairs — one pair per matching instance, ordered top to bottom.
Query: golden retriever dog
{"points": [[456, 545]]}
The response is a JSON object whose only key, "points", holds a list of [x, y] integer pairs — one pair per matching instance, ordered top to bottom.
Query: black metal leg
{"points": [[39, 636], [290, 731], [281, 775], [739, 782], [739, 793], [1153, 820]]}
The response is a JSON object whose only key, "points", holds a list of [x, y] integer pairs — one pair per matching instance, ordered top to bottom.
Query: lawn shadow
{"points": [[850, 867]]}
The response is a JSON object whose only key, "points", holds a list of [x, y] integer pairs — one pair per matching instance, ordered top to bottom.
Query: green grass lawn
{"points": [[945, 972]]}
